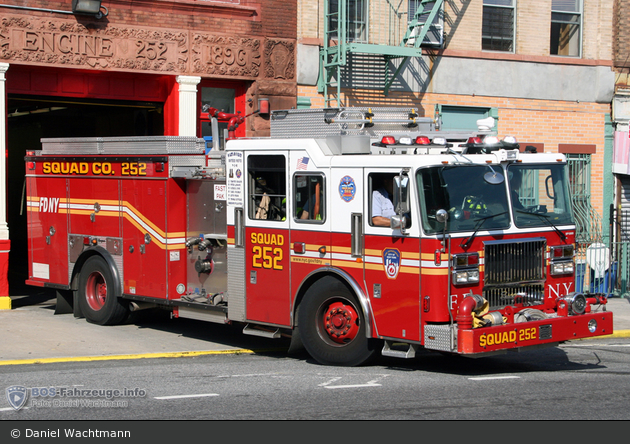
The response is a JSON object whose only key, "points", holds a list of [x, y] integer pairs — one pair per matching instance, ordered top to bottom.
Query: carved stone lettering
{"points": [[65, 43], [226, 56]]}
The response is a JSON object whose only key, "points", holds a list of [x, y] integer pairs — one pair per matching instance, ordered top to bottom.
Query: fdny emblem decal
{"points": [[347, 188], [391, 261]]}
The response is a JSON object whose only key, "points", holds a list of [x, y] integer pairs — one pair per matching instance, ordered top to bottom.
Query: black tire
{"points": [[98, 296], [332, 325]]}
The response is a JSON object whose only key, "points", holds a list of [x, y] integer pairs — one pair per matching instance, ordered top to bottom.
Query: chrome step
{"points": [[257, 330], [408, 353]]}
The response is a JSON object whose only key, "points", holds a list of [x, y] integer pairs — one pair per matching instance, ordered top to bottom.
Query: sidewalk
{"points": [[31, 333]]}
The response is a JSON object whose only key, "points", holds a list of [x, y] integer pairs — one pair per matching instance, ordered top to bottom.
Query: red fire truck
{"points": [[357, 231]]}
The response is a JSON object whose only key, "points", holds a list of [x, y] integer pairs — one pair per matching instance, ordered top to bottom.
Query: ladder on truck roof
{"points": [[374, 122]]}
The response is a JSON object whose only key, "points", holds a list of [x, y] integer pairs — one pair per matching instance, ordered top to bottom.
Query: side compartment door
{"points": [[47, 229], [266, 239], [145, 254], [392, 262]]}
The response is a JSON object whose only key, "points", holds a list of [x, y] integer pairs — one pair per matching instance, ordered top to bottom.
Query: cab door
{"points": [[310, 218], [266, 239], [392, 266]]}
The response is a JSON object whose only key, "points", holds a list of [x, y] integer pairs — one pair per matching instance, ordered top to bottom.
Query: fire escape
{"points": [[392, 29]]}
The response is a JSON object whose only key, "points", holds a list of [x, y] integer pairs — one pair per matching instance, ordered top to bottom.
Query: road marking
{"points": [[596, 345], [488, 378], [372, 383], [351, 386], [199, 395]]}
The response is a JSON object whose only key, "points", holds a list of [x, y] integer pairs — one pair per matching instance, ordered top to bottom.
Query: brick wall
{"points": [[462, 24], [533, 27], [621, 30]]}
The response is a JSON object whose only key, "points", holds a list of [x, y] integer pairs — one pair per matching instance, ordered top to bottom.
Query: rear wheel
{"points": [[98, 300], [332, 325]]}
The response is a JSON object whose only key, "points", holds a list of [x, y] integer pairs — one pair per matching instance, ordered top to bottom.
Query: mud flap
{"points": [[67, 303], [296, 345]]}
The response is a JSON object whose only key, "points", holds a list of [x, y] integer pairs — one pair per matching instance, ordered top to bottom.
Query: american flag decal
{"points": [[302, 163]]}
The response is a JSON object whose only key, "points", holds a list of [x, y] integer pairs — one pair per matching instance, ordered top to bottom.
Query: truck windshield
{"points": [[540, 195], [468, 198]]}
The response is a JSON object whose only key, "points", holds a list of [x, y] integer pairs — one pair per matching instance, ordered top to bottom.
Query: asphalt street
{"points": [[32, 333]]}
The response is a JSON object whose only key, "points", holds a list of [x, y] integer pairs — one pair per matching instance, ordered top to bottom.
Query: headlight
{"points": [[564, 267], [466, 277], [592, 325]]}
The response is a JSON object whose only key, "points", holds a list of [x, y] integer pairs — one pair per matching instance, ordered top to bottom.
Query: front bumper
{"points": [[520, 335]]}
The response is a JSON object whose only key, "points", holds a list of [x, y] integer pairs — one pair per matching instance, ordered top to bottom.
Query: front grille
{"points": [[514, 272], [499, 297]]}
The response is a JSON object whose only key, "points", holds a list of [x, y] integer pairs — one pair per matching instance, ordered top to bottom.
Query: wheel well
{"points": [[97, 251], [346, 280]]}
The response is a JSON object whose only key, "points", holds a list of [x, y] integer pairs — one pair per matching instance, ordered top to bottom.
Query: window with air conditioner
{"points": [[419, 10], [498, 25], [566, 28]]}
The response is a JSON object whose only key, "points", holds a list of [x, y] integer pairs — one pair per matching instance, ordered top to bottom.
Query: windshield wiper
{"points": [[546, 219], [481, 221]]}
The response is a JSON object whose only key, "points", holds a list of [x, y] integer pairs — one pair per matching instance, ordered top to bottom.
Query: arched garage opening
{"points": [[44, 102]]}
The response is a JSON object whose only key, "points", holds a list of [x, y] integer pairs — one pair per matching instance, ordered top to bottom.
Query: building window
{"points": [[356, 17], [566, 26], [435, 33], [497, 33]]}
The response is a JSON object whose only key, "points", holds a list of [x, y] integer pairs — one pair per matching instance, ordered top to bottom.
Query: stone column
{"points": [[188, 105], [5, 243]]}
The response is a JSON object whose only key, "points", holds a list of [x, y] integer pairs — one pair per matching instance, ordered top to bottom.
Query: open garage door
{"points": [[33, 117]]}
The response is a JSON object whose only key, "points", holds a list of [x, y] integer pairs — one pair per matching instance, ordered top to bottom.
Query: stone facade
{"points": [[242, 40]]}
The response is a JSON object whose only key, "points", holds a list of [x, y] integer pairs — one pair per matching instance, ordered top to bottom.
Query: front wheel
{"points": [[98, 300], [332, 325]]}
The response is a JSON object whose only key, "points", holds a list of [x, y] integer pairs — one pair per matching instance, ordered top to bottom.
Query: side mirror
{"points": [[401, 194], [441, 216], [398, 223]]}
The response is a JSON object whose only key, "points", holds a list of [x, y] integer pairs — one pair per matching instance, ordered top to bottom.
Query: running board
{"points": [[258, 331], [409, 353]]}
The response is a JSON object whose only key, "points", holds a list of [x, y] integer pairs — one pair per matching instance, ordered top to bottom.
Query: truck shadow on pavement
{"points": [[230, 336], [551, 359]]}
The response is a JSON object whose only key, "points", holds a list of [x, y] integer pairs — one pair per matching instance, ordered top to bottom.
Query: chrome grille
{"points": [[514, 272], [499, 297]]}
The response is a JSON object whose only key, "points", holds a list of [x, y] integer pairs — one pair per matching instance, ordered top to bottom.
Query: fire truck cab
{"points": [[358, 231]]}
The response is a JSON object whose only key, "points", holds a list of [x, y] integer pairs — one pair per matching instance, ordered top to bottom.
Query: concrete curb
{"points": [[615, 334], [184, 354]]}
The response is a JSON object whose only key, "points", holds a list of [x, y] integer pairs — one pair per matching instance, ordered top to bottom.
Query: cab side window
{"points": [[267, 187], [309, 198], [381, 199]]}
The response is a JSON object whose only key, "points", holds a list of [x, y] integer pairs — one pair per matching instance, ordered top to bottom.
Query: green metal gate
{"points": [[590, 252], [602, 264], [619, 276]]}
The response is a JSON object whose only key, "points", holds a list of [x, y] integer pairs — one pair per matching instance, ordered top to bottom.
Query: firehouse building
{"points": [[131, 68]]}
